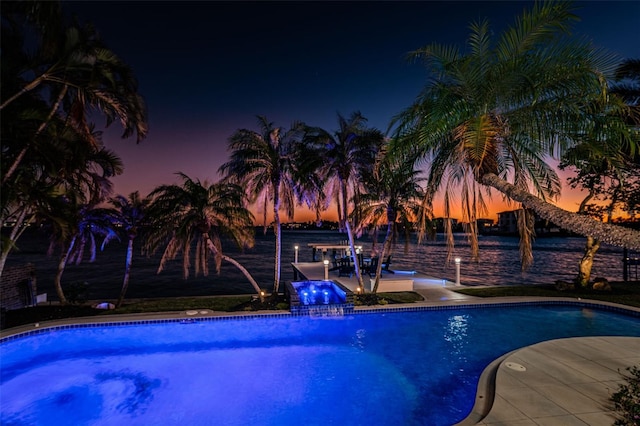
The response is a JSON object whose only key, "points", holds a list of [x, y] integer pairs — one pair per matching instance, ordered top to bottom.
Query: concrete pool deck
{"points": [[558, 382]]}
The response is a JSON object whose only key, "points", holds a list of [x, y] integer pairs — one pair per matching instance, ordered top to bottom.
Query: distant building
{"points": [[440, 224], [508, 224], [293, 225], [485, 226]]}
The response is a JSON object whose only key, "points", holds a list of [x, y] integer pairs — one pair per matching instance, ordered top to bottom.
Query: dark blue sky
{"points": [[208, 68]]}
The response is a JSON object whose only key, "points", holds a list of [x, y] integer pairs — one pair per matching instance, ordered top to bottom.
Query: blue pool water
{"points": [[394, 368]]}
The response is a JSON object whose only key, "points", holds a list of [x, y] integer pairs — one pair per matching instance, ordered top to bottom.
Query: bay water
{"points": [[555, 258]]}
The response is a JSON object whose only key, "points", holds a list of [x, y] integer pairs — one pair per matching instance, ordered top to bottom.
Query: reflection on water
{"points": [[554, 258], [499, 263], [456, 334]]}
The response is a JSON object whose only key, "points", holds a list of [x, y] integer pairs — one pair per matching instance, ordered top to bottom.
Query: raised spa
{"points": [[305, 295]]}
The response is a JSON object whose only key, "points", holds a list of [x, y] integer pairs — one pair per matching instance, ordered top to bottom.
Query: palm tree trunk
{"points": [[24, 90], [41, 128], [340, 219], [580, 224], [347, 228], [18, 229], [277, 231], [386, 248], [234, 263], [584, 271], [127, 273], [57, 281]]}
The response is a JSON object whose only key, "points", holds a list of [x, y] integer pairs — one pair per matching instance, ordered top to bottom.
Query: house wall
{"points": [[18, 286]]}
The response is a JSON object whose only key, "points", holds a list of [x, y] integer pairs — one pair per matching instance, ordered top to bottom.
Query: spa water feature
{"points": [[319, 297]]}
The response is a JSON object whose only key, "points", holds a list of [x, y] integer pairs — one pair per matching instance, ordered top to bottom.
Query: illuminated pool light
{"points": [[304, 295]]}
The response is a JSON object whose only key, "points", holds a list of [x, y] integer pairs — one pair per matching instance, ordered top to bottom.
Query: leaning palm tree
{"points": [[490, 117], [347, 155], [267, 164], [392, 199], [202, 213], [131, 215]]}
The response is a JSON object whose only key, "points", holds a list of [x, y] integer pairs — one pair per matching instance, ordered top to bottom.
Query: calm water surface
{"points": [[554, 258]]}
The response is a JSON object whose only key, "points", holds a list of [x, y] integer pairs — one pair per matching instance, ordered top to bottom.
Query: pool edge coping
{"points": [[209, 315]]}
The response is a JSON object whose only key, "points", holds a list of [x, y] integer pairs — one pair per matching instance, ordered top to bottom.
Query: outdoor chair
{"points": [[334, 262], [372, 267], [345, 268]]}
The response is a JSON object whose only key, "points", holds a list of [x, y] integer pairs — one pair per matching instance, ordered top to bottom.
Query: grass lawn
{"points": [[623, 293], [14, 318]]}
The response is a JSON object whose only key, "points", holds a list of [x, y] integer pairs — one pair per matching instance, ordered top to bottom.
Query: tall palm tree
{"points": [[73, 72], [490, 117], [346, 155], [267, 164], [393, 198], [202, 213], [131, 216], [75, 230]]}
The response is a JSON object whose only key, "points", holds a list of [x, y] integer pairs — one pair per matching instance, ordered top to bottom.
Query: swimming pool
{"points": [[400, 367]]}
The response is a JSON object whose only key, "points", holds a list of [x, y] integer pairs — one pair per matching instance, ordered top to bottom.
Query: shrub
{"points": [[76, 292], [627, 399]]}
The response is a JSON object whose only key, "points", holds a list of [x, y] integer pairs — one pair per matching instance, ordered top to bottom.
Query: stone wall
{"points": [[18, 286]]}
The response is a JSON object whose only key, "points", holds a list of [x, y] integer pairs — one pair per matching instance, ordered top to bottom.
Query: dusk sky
{"points": [[207, 69]]}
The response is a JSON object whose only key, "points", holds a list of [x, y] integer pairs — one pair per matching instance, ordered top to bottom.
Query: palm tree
{"points": [[73, 72], [626, 84], [46, 96], [489, 118], [346, 156], [267, 164], [68, 166], [393, 198], [201, 213], [131, 215], [75, 229]]}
